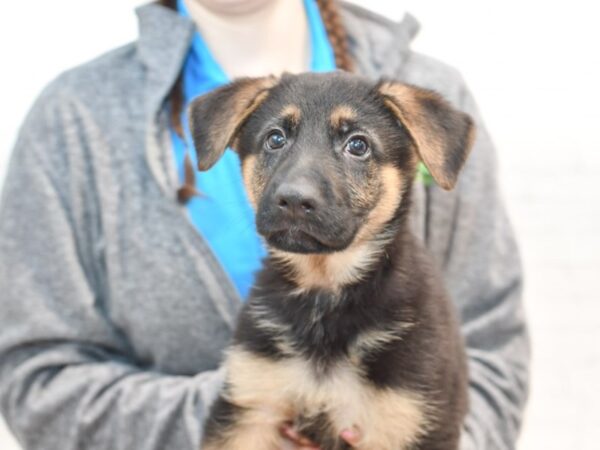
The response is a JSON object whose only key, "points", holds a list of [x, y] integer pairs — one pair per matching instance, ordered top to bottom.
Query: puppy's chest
{"points": [[322, 330], [315, 365], [340, 397]]}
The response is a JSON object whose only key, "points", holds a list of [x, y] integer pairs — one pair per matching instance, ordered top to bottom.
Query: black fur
{"points": [[402, 287]]}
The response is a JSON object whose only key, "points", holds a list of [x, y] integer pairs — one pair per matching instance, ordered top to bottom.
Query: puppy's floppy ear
{"points": [[216, 117], [443, 135]]}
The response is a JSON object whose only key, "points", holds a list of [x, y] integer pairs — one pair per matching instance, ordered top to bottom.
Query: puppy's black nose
{"points": [[297, 199]]}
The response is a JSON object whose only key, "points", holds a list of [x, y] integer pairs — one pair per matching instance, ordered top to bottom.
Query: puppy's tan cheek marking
{"points": [[341, 114], [248, 166], [254, 181], [362, 194], [391, 195], [389, 419]]}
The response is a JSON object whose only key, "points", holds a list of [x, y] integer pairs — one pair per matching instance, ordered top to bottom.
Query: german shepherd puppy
{"points": [[348, 324]]}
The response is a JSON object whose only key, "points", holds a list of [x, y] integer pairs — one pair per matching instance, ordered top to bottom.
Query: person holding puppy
{"points": [[121, 285]]}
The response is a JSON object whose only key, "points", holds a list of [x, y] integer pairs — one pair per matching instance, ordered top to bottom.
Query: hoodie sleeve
{"points": [[469, 233], [68, 378]]}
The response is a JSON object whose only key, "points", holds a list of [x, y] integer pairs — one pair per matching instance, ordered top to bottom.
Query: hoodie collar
{"points": [[164, 40], [379, 46]]}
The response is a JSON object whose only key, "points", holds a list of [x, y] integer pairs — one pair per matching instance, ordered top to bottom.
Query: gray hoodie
{"points": [[114, 313]]}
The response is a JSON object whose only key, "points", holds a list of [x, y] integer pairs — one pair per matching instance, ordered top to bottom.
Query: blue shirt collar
{"points": [[202, 73]]}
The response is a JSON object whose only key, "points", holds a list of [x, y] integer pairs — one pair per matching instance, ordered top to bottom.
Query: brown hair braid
{"points": [[168, 3], [336, 32], [339, 42]]}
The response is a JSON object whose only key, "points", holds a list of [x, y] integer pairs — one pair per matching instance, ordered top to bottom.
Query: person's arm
{"points": [[471, 236], [68, 378]]}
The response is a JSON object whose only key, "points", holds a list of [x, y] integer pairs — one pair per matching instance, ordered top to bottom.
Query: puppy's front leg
{"points": [[231, 427]]}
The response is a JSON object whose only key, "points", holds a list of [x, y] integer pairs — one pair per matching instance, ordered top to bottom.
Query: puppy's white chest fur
{"points": [[276, 391]]}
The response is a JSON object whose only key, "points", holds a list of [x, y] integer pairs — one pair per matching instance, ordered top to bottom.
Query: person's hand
{"points": [[295, 441]]}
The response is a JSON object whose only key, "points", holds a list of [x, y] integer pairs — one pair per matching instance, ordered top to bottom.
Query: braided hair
{"points": [[339, 42]]}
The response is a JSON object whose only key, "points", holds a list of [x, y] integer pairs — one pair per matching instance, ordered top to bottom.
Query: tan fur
{"points": [[246, 100], [293, 113], [341, 114], [471, 137], [429, 143], [248, 165], [254, 180], [391, 181], [364, 192], [333, 271], [329, 272], [277, 330], [376, 339], [365, 342], [388, 419], [257, 429]]}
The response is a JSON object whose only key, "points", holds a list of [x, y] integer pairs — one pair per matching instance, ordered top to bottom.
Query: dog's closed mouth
{"points": [[296, 240]]}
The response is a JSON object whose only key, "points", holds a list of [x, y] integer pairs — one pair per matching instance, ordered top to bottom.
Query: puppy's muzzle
{"points": [[295, 213], [298, 214]]}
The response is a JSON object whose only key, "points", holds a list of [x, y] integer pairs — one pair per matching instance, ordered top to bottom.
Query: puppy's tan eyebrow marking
{"points": [[292, 114], [340, 115]]}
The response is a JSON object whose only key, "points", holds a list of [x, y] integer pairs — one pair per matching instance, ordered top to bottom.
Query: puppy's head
{"points": [[328, 158]]}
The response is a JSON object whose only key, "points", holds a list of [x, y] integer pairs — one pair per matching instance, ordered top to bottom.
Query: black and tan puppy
{"points": [[348, 324]]}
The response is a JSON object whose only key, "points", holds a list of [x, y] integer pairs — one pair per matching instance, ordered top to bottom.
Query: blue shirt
{"points": [[223, 214]]}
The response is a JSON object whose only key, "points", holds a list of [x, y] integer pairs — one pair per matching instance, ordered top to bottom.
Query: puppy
{"points": [[348, 324]]}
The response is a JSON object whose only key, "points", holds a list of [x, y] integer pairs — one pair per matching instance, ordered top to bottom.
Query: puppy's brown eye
{"points": [[276, 140], [357, 146]]}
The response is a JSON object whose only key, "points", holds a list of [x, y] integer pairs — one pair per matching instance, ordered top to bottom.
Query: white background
{"points": [[534, 67]]}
